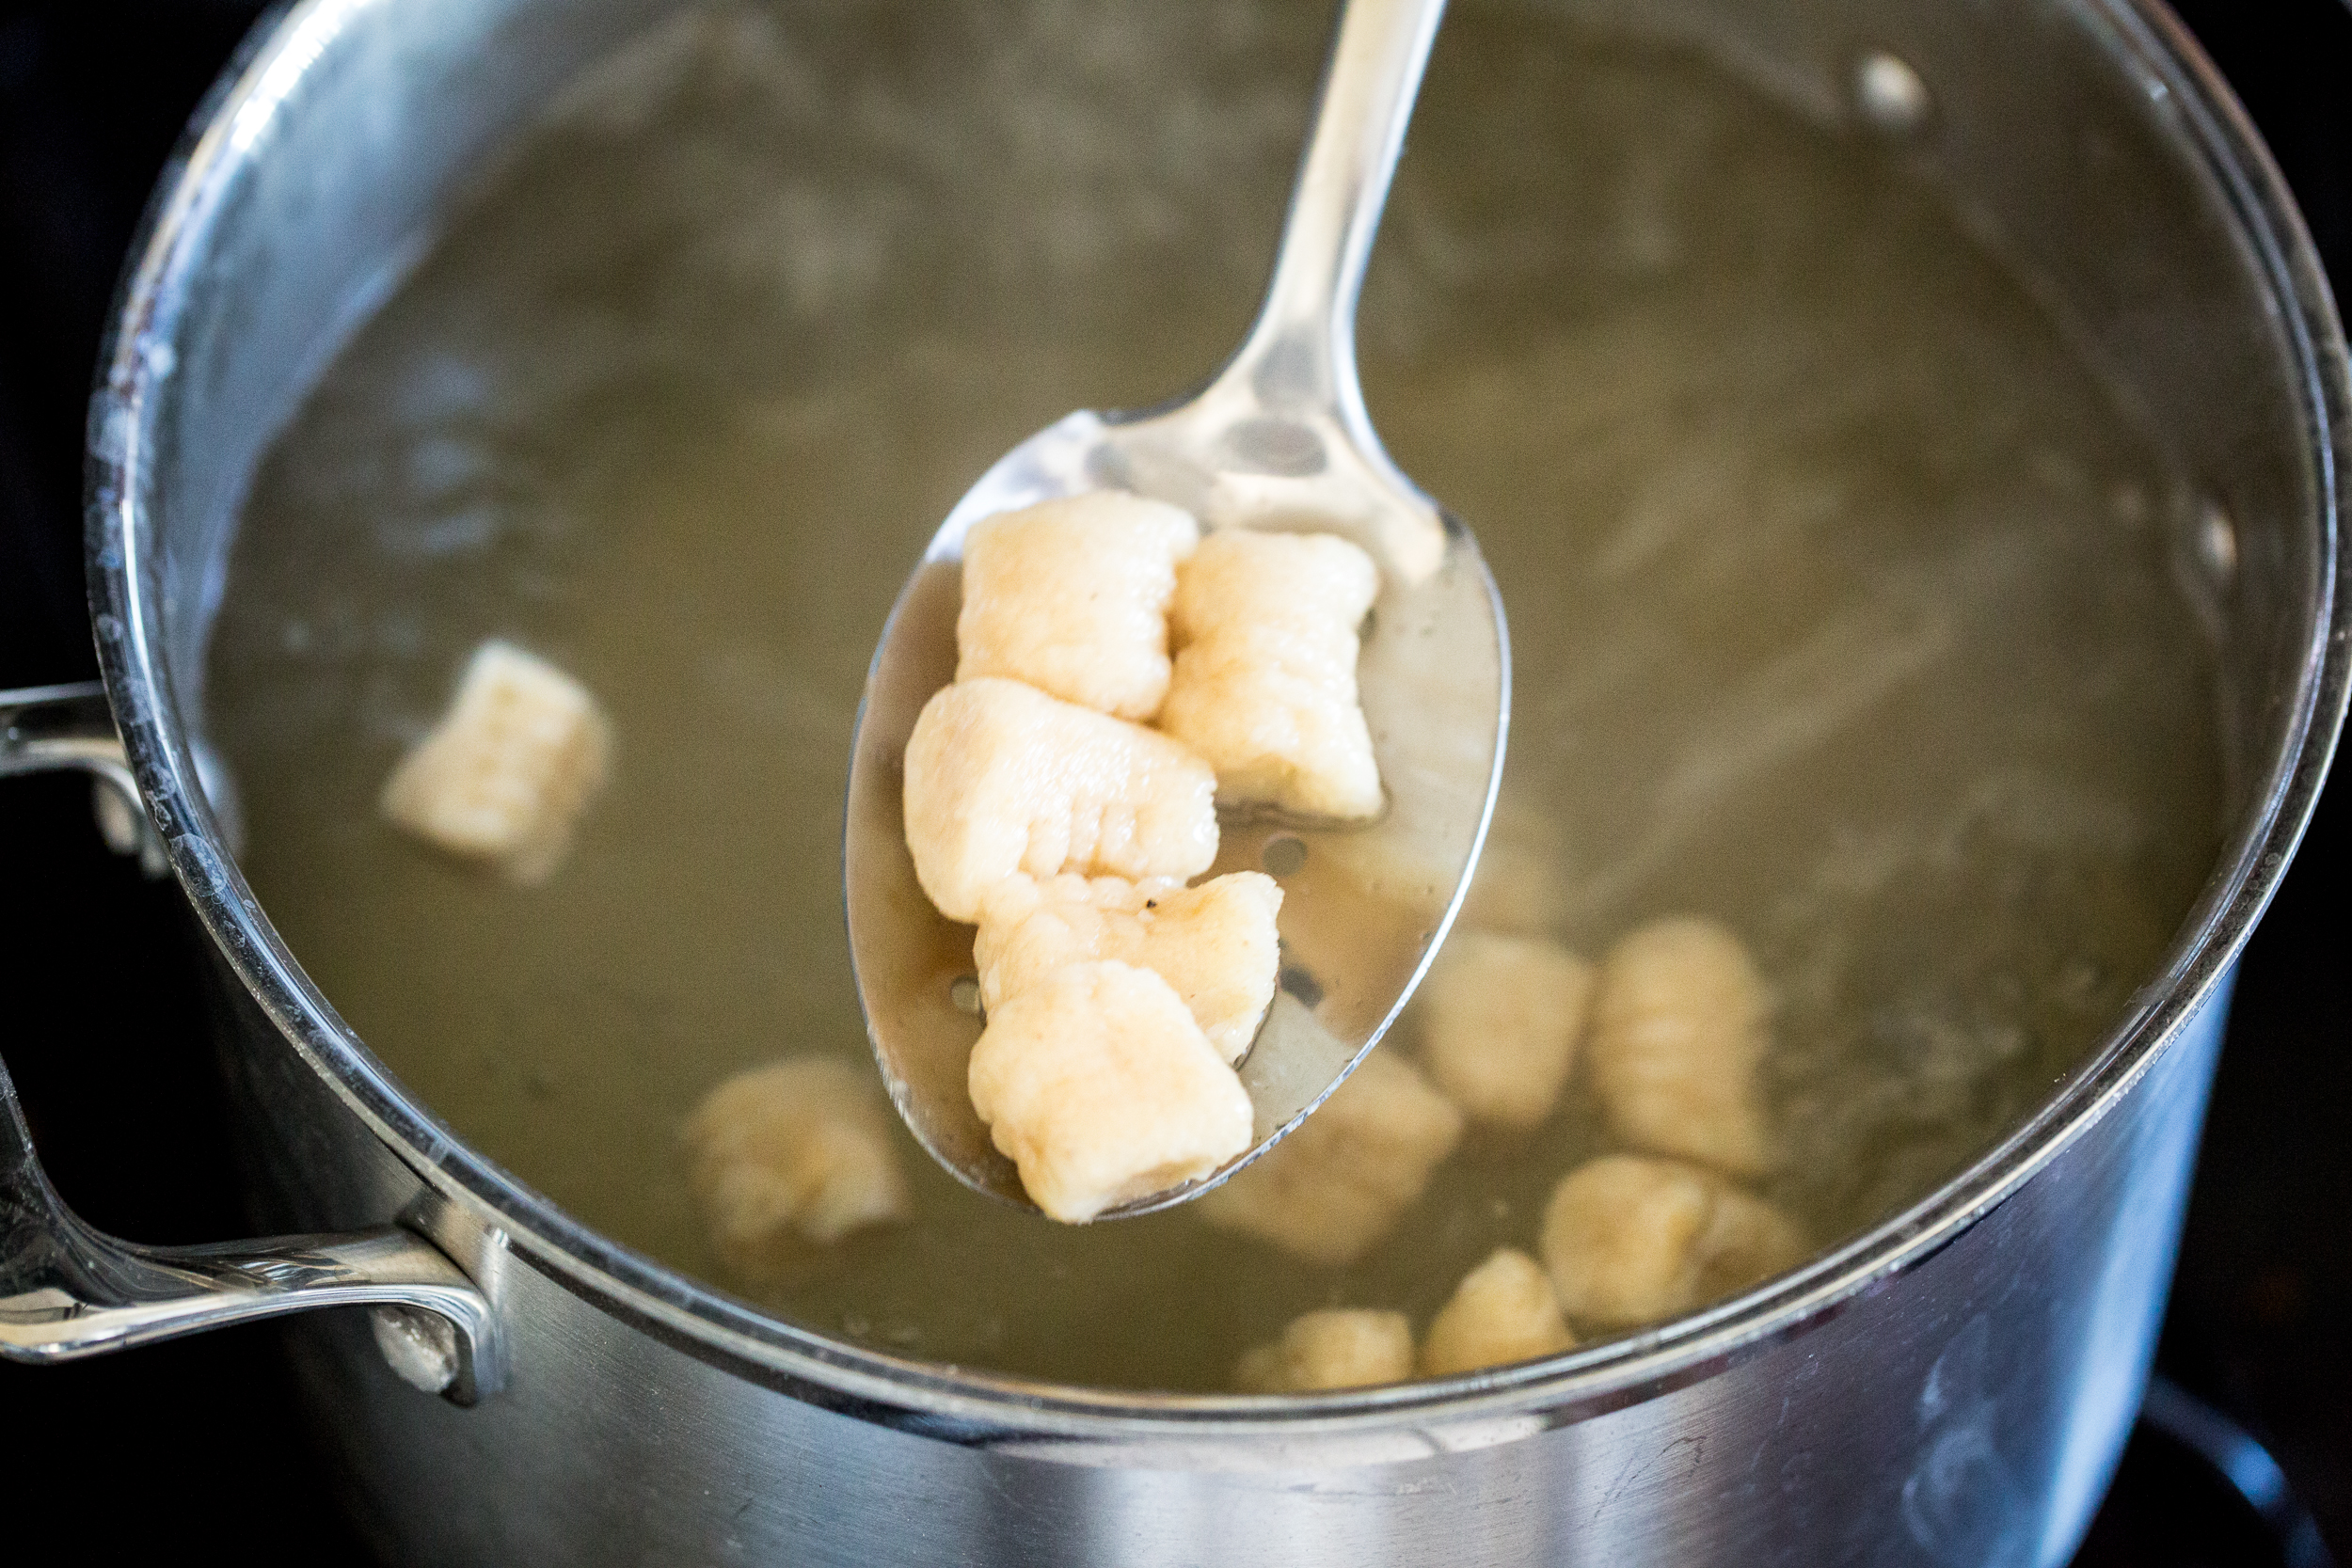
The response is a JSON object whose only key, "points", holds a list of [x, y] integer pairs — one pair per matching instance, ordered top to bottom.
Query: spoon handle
{"points": [[1301, 352]]}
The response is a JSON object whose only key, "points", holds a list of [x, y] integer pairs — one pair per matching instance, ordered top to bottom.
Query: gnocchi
{"points": [[1071, 596], [1264, 687], [506, 774], [1005, 781], [1215, 944], [1500, 1020], [1680, 1029], [1102, 1089], [792, 1155], [1337, 1184], [1629, 1239], [1505, 1310], [1334, 1348]]}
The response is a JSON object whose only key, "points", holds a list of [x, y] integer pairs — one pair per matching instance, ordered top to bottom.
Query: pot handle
{"points": [[50, 729], [68, 1291]]}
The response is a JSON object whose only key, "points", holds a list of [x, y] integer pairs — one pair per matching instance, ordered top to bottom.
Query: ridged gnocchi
{"points": [[1265, 626], [507, 772], [1004, 780], [1680, 1028]]}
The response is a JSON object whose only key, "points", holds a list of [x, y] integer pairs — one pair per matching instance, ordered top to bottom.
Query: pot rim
{"points": [[997, 1410]]}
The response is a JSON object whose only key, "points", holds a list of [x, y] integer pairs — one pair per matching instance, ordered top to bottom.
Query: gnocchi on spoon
{"points": [[1203, 885]]}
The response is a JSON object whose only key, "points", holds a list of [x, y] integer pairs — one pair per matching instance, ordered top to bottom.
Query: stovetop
{"points": [[2243, 1452]]}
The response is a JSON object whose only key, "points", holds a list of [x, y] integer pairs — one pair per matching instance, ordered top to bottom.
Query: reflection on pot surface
{"points": [[1847, 605]]}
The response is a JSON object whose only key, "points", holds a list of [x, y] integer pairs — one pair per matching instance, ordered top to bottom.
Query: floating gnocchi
{"points": [[1071, 596], [1265, 626], [506, 774], [1004, 780], [1215, 944], [1500, 1020], [1680, 1029], [1101, 1088], [791, 1156], [1341, 1181], [1629, 1239], [1505, 1310], [1337, 1347]]}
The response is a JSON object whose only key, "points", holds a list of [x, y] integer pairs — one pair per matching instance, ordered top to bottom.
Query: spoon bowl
{"points": [[1278, 440]]}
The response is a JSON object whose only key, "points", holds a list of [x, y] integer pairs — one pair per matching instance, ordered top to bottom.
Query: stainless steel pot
{"points": [[1952, 1387]]}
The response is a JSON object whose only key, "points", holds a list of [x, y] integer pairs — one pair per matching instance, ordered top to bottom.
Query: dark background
{"points": [[198, 1439]]}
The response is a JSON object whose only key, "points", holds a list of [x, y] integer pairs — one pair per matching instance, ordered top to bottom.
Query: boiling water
{"points": [[1838, 588]]}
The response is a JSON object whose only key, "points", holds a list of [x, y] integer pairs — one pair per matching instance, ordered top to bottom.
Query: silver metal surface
{"points": [[1279, 437], [45, 729], [66, 1291], [1951, 1388]]}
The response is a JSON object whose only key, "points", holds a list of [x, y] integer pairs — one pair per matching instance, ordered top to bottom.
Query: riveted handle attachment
{"points": [[68, 1291]]}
